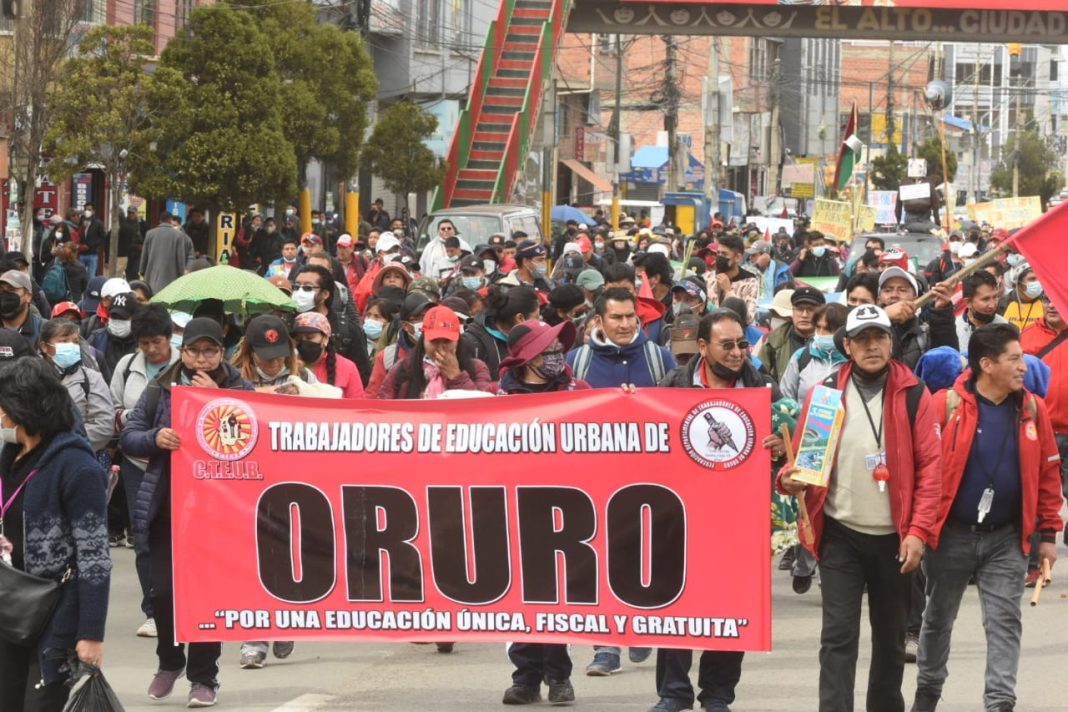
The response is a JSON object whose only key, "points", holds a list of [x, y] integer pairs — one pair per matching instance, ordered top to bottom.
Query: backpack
{"points": [[55, 286], [654, 359], [912, 396], [953, 402]]}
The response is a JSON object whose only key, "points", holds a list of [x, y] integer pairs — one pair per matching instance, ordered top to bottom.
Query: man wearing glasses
{"points": [[434, 260], [722, 361], [148, 434], [871, 523]]}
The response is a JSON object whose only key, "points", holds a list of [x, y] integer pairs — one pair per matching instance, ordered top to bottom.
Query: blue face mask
{"points": [[819, 251], [1014, 259], [472, 282], [1033, 289], [373, 328], [176, 342], [823, 342], [67, 355]]}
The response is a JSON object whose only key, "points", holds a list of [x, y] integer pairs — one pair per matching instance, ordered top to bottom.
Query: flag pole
{"points": [[985, 260]]}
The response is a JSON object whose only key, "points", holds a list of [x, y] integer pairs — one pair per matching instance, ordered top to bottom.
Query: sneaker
{"points": [[117, 540], [129, 542], [787, 561], [1033, 575], [802, 584], [148, 629], [446, 647], [912, 647], [282, 649], [639, 655], [252, 659], [603, 665], [162, 684], [561, 692], [201, 695], [522, 695], [924, 702], [670, 704]]}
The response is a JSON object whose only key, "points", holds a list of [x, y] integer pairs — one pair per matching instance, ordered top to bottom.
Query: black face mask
{"points": [[722, 264], [10, 304], [982, 318], [309, 351], [725, 373], [218, 374]]}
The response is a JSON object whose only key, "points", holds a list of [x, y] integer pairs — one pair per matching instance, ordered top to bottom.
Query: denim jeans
{"points": [[90, 261], [851, 562], [999, 564], [537, 661], [718, 674]]}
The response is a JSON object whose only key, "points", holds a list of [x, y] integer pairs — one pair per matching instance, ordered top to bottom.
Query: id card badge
{"points": [[876, 466], [985, 502]]}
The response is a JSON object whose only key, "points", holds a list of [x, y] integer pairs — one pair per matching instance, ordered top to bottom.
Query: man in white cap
{"points": [[387, 247], [113, 286], [912, 337], [870, 524]]}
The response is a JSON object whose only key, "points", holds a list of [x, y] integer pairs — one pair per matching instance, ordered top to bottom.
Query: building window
{"points": [[182, 9], [145, 13], [428, 24]]}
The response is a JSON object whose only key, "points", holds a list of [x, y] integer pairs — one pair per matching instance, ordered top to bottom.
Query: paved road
{"points": [[376, 677]]}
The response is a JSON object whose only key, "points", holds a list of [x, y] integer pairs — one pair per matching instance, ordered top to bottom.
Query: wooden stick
{"points": [[987, 259], [804, 525], [1044, 580]]}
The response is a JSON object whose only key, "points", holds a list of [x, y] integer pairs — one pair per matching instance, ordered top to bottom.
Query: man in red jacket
{"points": [[1047, 338], [1000, 475], [871, 522]]}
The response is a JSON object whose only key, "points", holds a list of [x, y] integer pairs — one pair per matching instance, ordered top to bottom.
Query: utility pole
{"points": [[1015, 52], [671, 113], [890, 123], [712, 127], [616, 134], [775, 145], [973, 178]]}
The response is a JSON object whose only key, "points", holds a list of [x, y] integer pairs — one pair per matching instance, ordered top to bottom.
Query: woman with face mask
{"points": [[1022, 306], [379, 316], [60, 346], [317, 353], [267, 358], [811, 364], [55, 506]]}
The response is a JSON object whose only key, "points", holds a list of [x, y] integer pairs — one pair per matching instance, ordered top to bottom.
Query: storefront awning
{"points": [[598, 183]]}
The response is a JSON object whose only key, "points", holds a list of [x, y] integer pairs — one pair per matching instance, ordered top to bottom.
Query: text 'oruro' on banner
{"points": [[584, 517]]}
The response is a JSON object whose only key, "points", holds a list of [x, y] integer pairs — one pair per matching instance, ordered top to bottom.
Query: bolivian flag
{"points": [[848, 152]]}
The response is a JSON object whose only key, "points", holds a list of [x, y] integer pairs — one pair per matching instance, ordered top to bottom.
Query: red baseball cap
{"points": [[312, 238], [345, 240], [896, 257], [64, 307], [441, 323]]}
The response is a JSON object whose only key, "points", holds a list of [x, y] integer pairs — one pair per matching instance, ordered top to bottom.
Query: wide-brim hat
{"points": [[530, 338]]}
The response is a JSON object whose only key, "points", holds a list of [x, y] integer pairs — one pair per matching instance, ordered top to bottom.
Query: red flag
{"points": [[843, 170], [767, 234], [1043, 243]]}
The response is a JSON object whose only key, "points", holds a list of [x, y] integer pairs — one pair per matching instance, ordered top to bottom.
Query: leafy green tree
{"points": [[327, 81], [98, 110], [217, 135], [931, 149], [396, 151], [889, 170], [1037, 173]]}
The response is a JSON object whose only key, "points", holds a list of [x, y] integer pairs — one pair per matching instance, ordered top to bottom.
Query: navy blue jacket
{"points": [[611, 366], [138, 439], [66, 523]]}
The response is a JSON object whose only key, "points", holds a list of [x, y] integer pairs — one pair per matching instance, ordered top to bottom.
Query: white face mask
{"points": [[305, 300], [777, 321], [119, 328], [9, 435]]}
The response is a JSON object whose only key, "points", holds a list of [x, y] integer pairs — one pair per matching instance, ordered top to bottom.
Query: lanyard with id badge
{"points": [[875, 462], [986, 501], [6, 547]]}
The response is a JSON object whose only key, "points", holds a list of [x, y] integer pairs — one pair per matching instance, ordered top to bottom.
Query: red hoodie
{"points": [[913, 454], [1040, 462]]}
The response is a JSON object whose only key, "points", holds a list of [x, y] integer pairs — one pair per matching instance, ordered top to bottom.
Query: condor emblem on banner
{"points": [[227, 429], [718, 435]]}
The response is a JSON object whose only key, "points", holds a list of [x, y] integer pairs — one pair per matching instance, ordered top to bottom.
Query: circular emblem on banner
{"points": [[227, 429], [718, 434]]}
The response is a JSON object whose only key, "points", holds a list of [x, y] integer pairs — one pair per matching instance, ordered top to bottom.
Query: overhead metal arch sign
{"points": [[1027, 21]]}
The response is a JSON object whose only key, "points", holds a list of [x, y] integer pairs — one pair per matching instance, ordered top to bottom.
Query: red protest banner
{"points": [[585, 517]]}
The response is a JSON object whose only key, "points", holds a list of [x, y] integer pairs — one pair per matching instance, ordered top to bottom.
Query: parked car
{"points": [[475, 223]]}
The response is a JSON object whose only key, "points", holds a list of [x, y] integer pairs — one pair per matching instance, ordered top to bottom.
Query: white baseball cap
{"points": [[386, 242], [892, 272], [115, 285], [867, 316]]}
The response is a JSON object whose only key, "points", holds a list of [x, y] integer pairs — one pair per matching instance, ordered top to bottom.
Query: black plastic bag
{"points": [[94, 695]]}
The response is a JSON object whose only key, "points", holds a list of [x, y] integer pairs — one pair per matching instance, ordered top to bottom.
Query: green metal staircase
{"points": [[493, 133]]}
